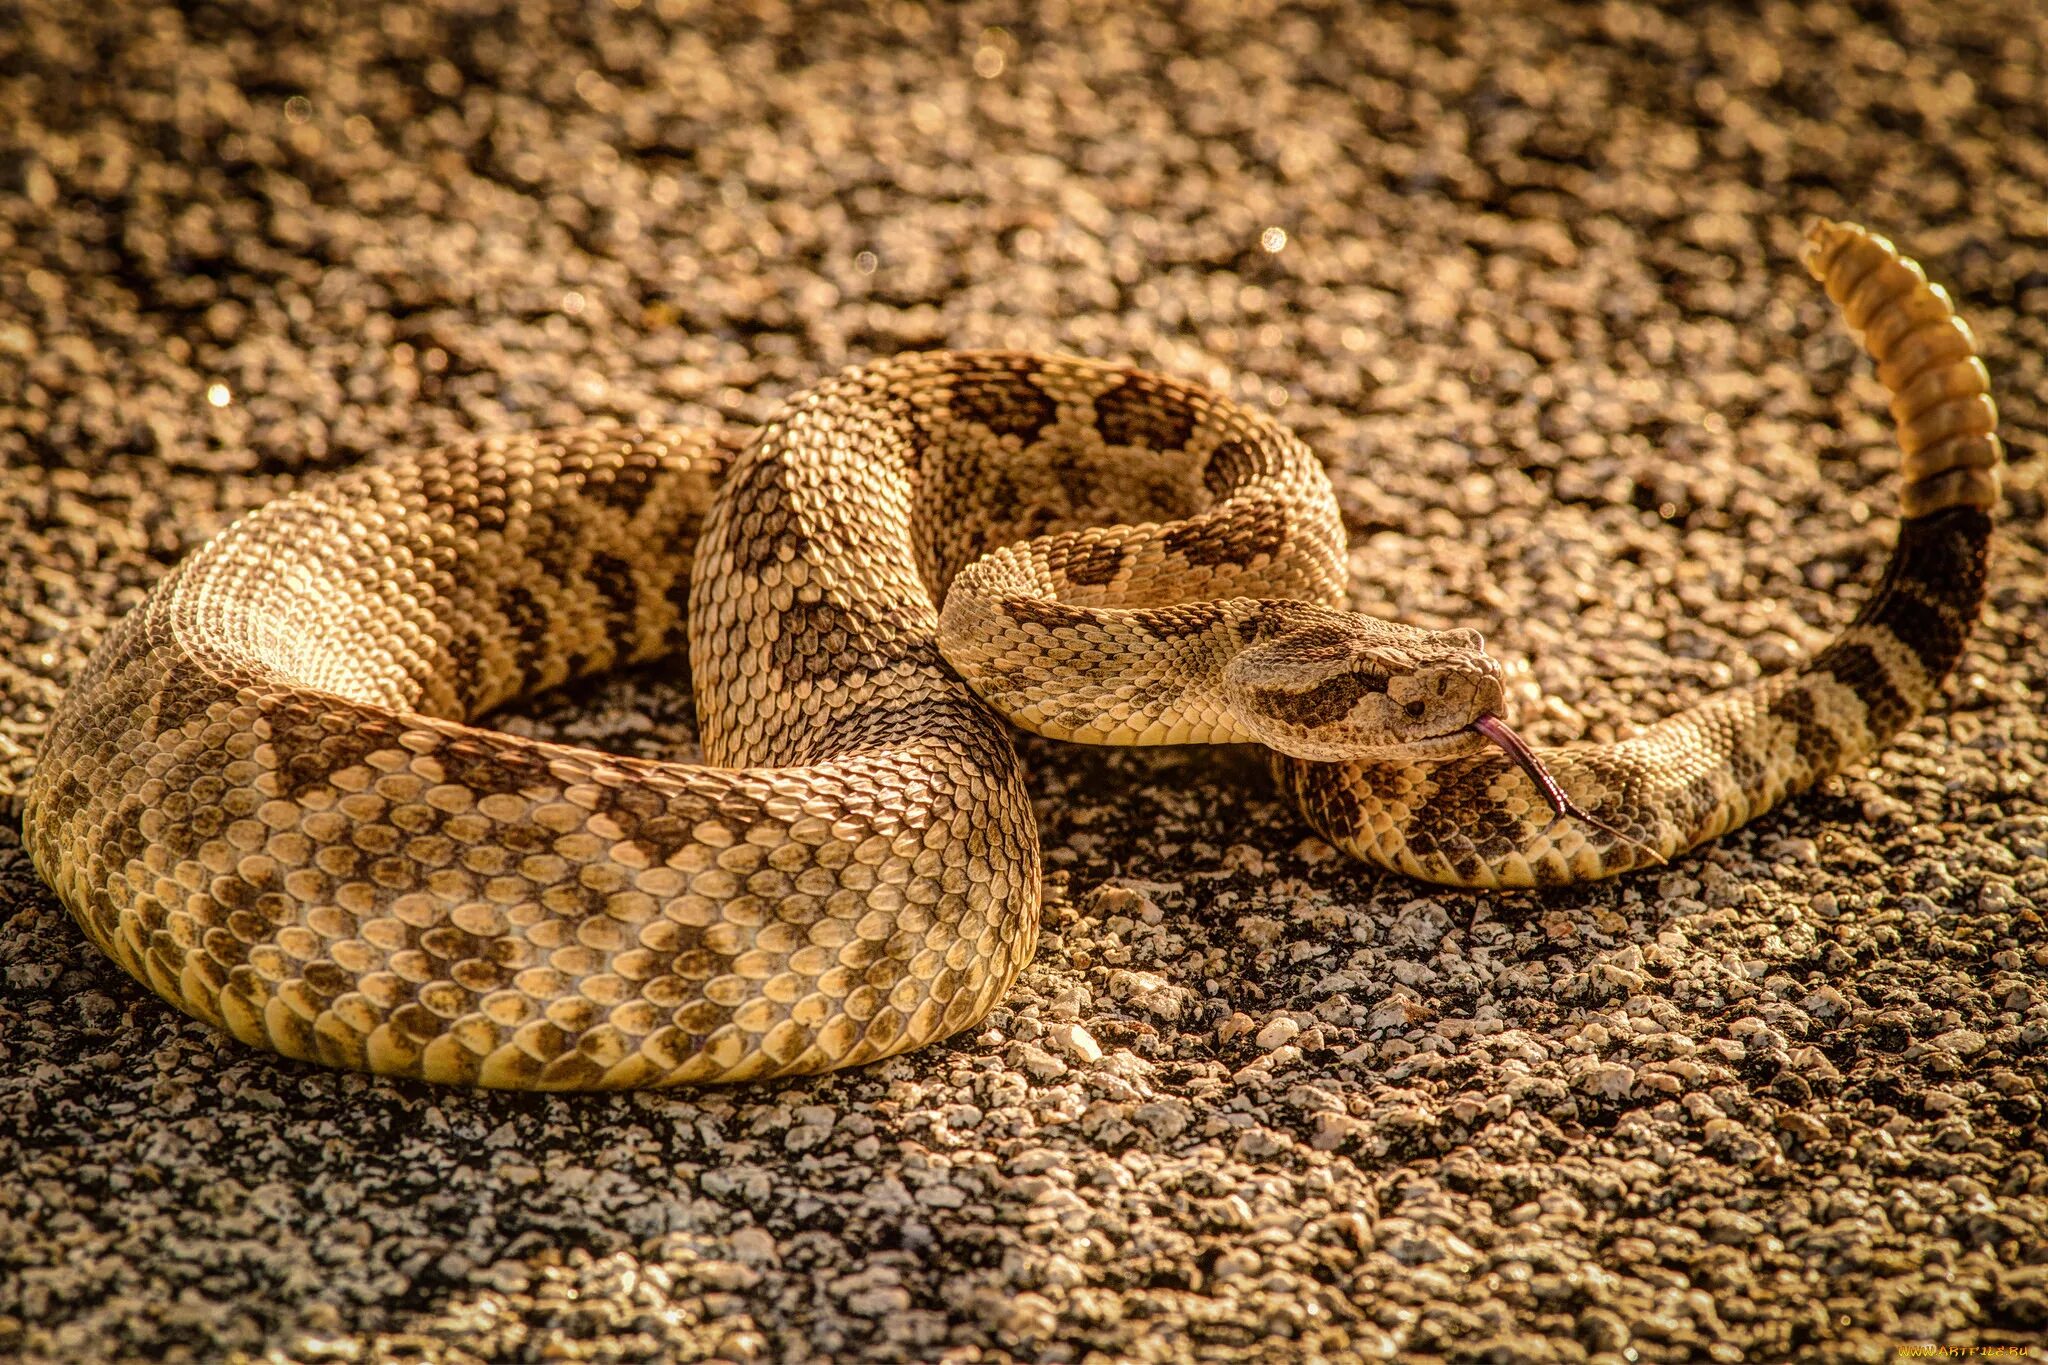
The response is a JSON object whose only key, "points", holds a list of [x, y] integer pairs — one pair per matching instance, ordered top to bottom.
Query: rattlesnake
{"points": [[261, 798]]}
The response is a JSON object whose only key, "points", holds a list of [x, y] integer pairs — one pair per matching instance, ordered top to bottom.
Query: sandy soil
{"points": [[1525, 276]]}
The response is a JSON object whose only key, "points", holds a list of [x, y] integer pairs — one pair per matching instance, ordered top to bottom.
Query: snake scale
{"points": [[263, 799]]}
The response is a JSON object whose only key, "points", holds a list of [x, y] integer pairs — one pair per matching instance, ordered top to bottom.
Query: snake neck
{"points": [[1090, 674]]}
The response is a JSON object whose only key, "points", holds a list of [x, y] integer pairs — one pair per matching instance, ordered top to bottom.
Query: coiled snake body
{"points": [[261, 798]]}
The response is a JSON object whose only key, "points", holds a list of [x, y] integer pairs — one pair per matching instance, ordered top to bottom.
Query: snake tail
{"points": [[1690, 778]]}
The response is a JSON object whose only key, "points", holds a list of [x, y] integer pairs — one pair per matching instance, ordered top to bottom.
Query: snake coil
{"points": [[263, 798]]}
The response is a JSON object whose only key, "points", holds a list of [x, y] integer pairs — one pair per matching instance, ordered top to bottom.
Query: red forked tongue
{"points": [[1496, 729], [1523, 757]]}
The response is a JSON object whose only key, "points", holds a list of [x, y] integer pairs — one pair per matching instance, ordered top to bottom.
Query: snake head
{"points": [[1331, 685]]}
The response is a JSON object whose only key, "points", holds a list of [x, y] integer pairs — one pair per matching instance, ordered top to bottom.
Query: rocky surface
{"points": [[1525, 275]]}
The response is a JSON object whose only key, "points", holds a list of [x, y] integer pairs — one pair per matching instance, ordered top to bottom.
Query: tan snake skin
{"points": [[261, 798]]}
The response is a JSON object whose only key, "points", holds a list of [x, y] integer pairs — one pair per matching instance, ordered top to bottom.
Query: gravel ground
{"points": [[1526, 277]]}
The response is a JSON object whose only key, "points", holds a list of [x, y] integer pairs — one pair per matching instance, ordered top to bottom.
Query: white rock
{"points": [[1279, 1031], [1076, 1042], [1964, 1042], [1042, 1065], [1611, 1080], [754, 1246]]}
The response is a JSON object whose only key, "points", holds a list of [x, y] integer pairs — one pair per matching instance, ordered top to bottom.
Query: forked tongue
{"points": [[1511, 744], [1523, 757]]}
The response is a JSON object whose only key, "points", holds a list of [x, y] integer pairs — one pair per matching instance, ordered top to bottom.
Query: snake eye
{"points": [[1415, 710]]}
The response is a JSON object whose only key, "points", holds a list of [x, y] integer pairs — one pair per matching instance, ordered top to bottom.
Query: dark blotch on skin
{"points": [[1008, 404], [1137, 414], [1230, 465], [626, 488], [487, 495], [487, 513], [997, 522], [769, 531], [1234, 535], [554, 538], [1092, 566], [612, 577], [1933, 587], [1929, 598], [522, 611], [1031, 611], [1268, 621], [1178, 623], [529, 625], [1933, 631], [819, 637], [1309, 638], [1856, 667], [465, 679], [186, 695], [1158, 695], [1328, 701], [973, 738], [1814, 741], [308, 751], [1745, 767], [482, 771], [72, 796], [1692, 804], [630, 808], [659, 824], [1481, 830], [121, 837], [582, 902], [451, 944], [225, 947], [326, 979], [700, 1019], [574, 1071]]}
